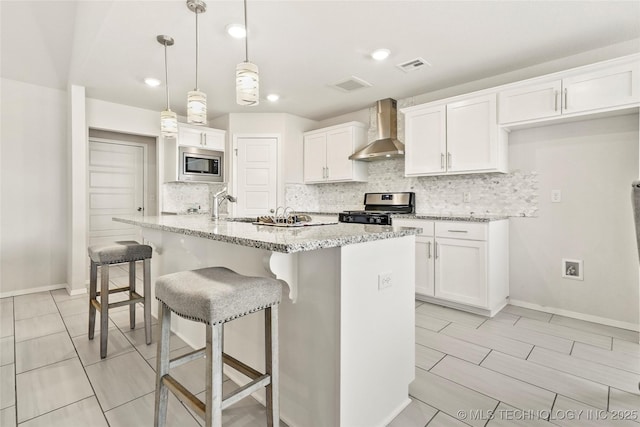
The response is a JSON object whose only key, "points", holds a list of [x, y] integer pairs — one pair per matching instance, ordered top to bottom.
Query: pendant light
{"points": [[247, 79], [196, 100], [168, 119]]}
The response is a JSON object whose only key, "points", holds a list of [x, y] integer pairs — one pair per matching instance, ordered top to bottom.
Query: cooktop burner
{"points": [[378, 208]]}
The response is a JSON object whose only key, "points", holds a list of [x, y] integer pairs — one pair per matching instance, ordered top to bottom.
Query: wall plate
{"points": [[572, 269]]}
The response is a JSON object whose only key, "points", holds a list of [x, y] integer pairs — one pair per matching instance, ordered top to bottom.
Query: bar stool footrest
{"points": [[133, 299], [184, 395]]}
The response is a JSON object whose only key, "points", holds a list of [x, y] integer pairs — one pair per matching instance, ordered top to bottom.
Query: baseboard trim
{"points": [[32, 290], [580, 316]]}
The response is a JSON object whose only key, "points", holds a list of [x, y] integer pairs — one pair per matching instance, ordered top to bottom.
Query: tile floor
{"points": [[520, 368]]}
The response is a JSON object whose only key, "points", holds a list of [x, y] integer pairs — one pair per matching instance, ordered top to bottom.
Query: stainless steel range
{"points": [[378, 208]]}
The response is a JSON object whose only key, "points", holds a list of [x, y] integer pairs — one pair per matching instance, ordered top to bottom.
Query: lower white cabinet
{"points": [[462, 264]]}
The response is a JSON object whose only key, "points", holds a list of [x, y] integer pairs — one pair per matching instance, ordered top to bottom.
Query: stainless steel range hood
{"points": [[387, 145]]}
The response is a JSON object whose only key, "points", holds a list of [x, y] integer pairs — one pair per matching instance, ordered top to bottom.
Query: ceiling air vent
{"points": [[413, 64], [351, 84]]}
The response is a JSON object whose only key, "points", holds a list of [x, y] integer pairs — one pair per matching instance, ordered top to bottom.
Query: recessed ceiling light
{"points": [[236, 31], [380, 54], [150, 81], [273, 97]]}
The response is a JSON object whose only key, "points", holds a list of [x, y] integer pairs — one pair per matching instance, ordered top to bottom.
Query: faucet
{"points": [[216, 200]]}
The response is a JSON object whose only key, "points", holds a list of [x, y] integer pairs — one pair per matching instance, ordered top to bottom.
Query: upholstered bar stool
{"points": [[118, 253], [215, 296]]}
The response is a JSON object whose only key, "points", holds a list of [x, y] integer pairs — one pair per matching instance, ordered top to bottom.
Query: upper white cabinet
{"points": [[587, 90], [201, 137], [454, 138], [425, 142], [327, 151]]}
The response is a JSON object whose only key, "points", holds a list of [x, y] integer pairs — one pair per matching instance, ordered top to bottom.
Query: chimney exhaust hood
{"points": [[387, 145]]}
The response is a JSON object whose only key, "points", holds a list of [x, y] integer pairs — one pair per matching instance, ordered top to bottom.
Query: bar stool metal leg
{"points": [[93, 283], [132, 289], [147, 299], [104, 309], [271, 365], [162, 392], [213, 414]]}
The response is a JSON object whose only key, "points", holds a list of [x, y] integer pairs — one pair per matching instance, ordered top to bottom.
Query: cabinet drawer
{"points": [[427, 226], [461, 230]]}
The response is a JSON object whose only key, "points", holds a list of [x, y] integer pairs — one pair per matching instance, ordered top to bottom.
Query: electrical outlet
{"points": [[556, 196], [466, 197], [384, 280]]}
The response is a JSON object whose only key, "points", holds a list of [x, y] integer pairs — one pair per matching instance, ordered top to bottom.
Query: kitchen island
{"points": [[346, 319]]}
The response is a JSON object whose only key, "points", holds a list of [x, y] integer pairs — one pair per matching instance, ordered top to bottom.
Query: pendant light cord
{"points": [[246, 36], [197, 48], [166, 74]]}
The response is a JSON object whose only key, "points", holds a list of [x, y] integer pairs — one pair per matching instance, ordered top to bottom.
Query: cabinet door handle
{"points": [[565, 98], [555, 106], [204, 135], [441, 160], [449, 162], [327, 171], [458, 231], [436, 249], [428, 250]]}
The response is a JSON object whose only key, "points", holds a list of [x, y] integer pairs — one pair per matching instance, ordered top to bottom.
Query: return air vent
{"points": [[413, 64], [351, 84]]}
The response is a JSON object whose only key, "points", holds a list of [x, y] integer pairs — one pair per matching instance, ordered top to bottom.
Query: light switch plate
{"points": [[556, 196]]}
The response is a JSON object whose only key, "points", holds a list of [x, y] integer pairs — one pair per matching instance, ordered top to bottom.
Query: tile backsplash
{"points": [[511, 194], [179, 197]]}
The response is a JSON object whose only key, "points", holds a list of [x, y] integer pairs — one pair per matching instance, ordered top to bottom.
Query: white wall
{"points": [[593, 163], [33, 183]]}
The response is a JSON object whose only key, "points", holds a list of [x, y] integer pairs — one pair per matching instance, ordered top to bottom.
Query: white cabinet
{"points": [[589, 89], [201, 137], [454, 138], [425, 140], [327, 151], [425, 254], [462, 264]]}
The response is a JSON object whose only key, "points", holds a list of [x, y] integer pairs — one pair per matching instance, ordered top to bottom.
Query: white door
{"points": [[256, 175], [115, 187]]}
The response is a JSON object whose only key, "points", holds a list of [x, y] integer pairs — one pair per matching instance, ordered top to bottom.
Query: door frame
{"points": [[233, 176], [145, 177]]}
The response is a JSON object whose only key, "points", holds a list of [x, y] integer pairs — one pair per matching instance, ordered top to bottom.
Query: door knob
{"points": [[139, 209]]}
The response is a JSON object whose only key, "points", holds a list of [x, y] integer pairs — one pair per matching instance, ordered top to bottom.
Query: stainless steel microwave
{"points": [[196, 164]]}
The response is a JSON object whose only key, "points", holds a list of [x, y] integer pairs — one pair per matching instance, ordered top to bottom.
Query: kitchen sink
{"points": [[239, 219]]}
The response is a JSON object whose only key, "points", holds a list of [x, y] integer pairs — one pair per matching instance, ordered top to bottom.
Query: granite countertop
{"points": [[434, 216], [451, 217], [276, 239]]}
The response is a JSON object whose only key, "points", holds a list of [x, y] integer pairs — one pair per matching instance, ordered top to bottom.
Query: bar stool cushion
{"points": [[118, 252], [216, 294]]}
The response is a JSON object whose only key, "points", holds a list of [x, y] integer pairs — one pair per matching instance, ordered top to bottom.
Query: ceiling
{"points": [[302, 47]]}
